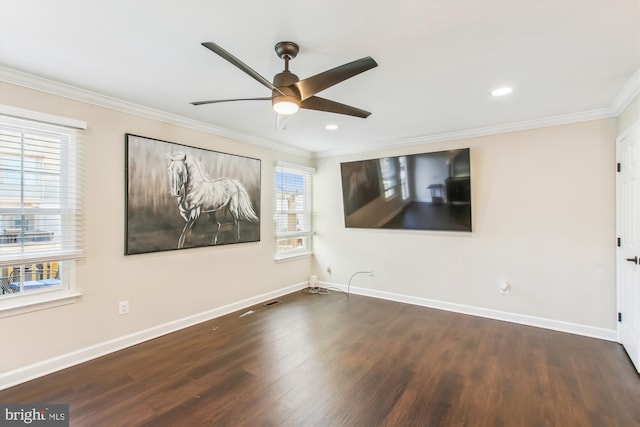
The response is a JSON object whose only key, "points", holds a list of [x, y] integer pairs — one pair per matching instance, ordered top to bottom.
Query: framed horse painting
{"points": [[180, 197]]}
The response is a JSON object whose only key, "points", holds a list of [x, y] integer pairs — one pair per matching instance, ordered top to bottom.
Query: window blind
{"points": [[41, 181], [293, 210]]}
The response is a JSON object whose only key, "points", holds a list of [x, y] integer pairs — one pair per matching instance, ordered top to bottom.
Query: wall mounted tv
{"points": [[428, 191]]}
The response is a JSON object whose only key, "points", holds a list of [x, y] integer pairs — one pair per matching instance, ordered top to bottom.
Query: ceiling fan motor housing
{"points": [[283, 82]]}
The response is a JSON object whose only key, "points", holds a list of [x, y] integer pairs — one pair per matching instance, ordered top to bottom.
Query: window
{"points": [[404, 177], [389, 179], [40, 208], [293, 210]]}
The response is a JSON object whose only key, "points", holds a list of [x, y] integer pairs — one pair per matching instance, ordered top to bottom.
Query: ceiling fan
{"points": [[288, 92]]}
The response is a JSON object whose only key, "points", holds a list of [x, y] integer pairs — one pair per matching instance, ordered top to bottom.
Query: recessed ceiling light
{"points": [[502, 91], [331, 126]]}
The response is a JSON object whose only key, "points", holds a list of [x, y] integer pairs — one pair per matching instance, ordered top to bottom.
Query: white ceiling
{"points": [[438, 60]]}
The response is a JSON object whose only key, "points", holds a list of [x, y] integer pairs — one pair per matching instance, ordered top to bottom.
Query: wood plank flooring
{"points": [[333, 360]]}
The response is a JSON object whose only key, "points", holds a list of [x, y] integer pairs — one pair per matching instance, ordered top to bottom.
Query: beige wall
{"points": [[543, 219], [160, 287]]}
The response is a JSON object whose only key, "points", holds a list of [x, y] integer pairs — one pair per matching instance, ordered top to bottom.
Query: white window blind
{"points": [[404, 177], [389, 180], [40, 192], [293, 210]]}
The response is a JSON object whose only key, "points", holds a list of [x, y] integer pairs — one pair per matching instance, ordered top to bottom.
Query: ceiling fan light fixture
{"points": [[286, 106]]}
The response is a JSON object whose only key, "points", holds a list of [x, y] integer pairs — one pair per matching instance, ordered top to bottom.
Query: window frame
{"points": [[306, 212], [66, 292]]}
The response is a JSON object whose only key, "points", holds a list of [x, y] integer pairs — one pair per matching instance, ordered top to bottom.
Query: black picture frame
{"points": [[180, 197]]}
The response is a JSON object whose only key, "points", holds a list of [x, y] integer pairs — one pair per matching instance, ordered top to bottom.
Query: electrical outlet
{"points": [[329, 268], [504, 287], [123, 308]]}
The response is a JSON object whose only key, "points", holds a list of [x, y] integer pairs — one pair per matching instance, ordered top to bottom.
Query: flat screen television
{"points": [[428, 191]]}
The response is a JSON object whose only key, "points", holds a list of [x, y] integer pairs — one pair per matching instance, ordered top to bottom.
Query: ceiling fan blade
{"points": [[235, 61], [312, 85], [229, 100], [322, 104]]}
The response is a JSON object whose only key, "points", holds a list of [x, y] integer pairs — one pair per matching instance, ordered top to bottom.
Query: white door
{"points": [[628, 227]]}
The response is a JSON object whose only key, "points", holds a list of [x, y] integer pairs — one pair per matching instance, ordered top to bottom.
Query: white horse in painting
{"points": [[198, 193]]}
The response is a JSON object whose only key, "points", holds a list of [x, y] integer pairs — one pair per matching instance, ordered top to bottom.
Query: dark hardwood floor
{"points": [[428, 216], [333, 360]]}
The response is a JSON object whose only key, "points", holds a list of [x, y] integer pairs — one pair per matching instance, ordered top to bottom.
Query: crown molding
{"points": [[31, 81], [627, 94], [603, 113]]}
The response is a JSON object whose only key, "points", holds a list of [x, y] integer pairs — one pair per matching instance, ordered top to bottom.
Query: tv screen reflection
{"points": [[428, 191]]}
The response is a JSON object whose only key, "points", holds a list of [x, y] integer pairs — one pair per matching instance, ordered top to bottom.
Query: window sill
{"points": [[292, 257], [27, 304]]}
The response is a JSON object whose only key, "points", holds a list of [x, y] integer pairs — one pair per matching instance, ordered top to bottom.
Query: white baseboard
{"points": [[540, 322], [39, 369]]}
